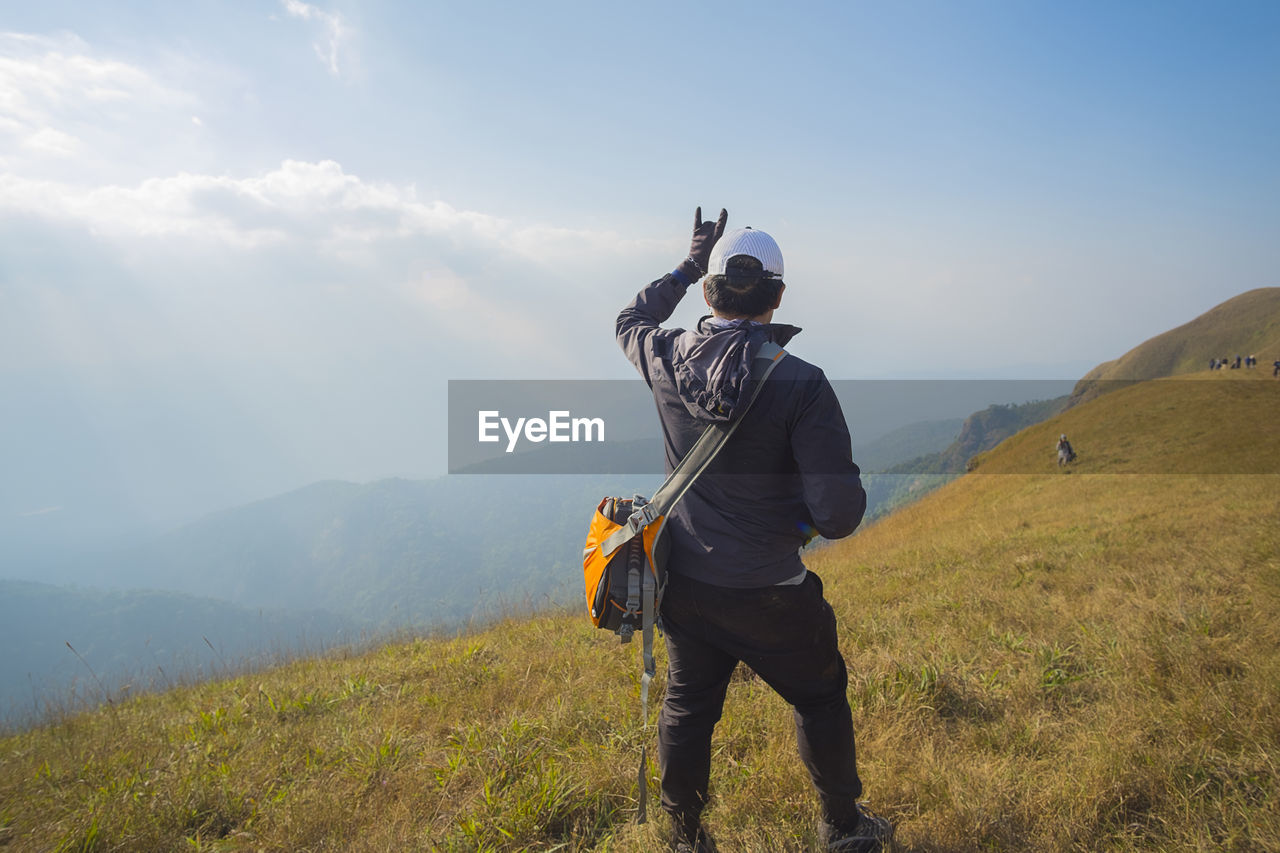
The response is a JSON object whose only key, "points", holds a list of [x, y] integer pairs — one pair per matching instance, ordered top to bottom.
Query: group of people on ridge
{"points": [[1242, 361], [1219, 363]]}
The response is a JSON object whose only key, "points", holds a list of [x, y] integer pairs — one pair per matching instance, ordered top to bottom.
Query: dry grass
{"points": [[1039, 661], [1085, 662]]}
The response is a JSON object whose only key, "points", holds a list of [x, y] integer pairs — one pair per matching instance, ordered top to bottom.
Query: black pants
{"points": [[787, 634]]}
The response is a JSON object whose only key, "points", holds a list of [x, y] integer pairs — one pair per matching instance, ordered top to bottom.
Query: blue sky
{"points": [[244, 244]]}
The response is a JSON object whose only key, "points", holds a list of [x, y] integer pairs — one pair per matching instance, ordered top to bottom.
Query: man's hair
{"points": [[744, 290]]}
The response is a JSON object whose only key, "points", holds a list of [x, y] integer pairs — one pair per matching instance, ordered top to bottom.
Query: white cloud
{"points": [[334, 30], [45, 76], [63, 105], [51, 141], [313, 203], [161, 207], [309, 237]]}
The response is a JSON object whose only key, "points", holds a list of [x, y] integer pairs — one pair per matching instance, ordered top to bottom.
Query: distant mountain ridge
{"points": [[982, 431], [905, 443], [909, 481], [423, 553], [439, 553], [389, 554], [326, 564], [64, 640]]}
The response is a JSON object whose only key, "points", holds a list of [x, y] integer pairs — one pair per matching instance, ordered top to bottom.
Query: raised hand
{"points": [[705, 235]]}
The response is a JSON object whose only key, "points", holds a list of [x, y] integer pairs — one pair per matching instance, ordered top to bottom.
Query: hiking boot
{"points": [[871, 834], [690, 837]]}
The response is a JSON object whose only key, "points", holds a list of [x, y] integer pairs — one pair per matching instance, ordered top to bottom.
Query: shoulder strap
{"points": [[714, 438], [699, 457]]}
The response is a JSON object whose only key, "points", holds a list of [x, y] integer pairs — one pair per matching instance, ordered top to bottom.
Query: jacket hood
{"points": [[713, 363]]}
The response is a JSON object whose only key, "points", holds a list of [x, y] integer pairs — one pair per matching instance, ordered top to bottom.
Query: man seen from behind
{"points": [[737, 590]]}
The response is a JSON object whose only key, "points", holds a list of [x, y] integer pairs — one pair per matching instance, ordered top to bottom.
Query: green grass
{"points": [[1038, 660]]}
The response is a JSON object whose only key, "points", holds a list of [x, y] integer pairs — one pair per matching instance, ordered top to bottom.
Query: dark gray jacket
{"points": [[788, 471]]}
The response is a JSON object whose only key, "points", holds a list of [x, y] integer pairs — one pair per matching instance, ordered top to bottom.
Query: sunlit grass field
{"points": [[1040, 660]]}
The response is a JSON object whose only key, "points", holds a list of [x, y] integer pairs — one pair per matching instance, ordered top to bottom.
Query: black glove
{"points": [[705, 235]]}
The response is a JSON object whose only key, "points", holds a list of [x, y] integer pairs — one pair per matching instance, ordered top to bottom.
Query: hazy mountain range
{"points": [[337, 561]]}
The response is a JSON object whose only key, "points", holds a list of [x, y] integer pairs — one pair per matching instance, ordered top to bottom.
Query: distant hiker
{"points": [[1251, 361], [1213, 364], [1235, 365], [1276, 372], [1065, 453], [737, 589]]}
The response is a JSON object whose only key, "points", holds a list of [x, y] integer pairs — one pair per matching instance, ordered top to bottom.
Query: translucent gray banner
{"points": [[897, 426]]}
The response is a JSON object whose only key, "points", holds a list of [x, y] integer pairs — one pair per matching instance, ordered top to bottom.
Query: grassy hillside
{"points": [[1248, 324], [1214, 422], [1038, 660]]}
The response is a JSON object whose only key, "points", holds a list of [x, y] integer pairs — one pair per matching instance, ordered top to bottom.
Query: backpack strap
{"points": [[704, 451], [699, 457], [635, 573], [648, 618]]}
